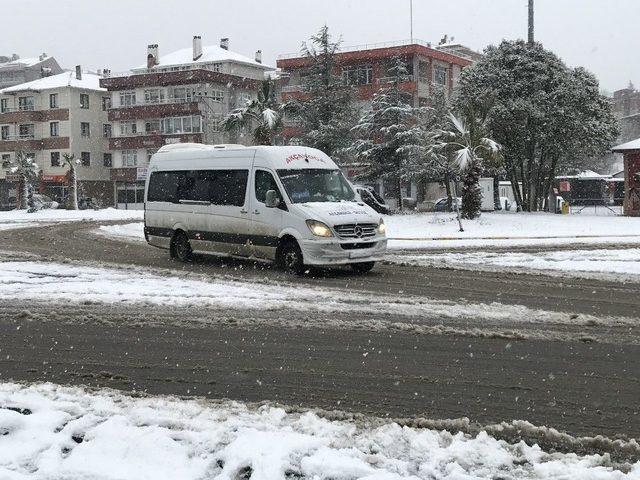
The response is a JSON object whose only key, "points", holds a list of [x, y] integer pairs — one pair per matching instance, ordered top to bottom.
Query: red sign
{"points": [[54, 178], [565, 186]]}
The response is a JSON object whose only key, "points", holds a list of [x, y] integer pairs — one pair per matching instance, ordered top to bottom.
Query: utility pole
{"points": [[411, 18], [531, 39]]}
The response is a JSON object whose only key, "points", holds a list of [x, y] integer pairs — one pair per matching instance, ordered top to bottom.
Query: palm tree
{"points": [[263, 114], [469, 146], [71, 161], [27, 169]]}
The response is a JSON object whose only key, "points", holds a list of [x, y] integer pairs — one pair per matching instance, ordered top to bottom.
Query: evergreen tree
{"points": [[326, 112], [263, 115], [549, 118], [388, 133], [71, 162], [27, 169]]}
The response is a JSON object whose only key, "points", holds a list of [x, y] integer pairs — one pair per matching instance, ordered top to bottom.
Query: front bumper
{"points": [[333, 251]]}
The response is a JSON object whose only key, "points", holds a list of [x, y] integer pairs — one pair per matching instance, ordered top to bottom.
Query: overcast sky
{"points": [[602, 35]]}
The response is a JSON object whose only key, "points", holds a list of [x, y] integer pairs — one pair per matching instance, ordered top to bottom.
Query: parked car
{"points": [[369, 196], [42, 202], [442, 205]]}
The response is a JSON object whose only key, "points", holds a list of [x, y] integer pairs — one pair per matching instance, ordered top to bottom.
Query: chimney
{"points": [[224, 43], [197, 47], [152, 55], [259, 56], [15, 57], [42, 57], [78, 72], [106, 73]]}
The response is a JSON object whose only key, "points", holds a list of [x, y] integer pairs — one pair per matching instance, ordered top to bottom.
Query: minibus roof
{"points": [[276, 157]]}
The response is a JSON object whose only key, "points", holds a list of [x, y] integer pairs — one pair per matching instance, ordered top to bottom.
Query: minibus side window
{"points": [[163, 186], [229, 187]]}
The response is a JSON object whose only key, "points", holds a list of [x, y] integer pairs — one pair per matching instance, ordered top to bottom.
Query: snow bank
{"points": [[21, 219], [440, 230], [128, 231], [624, 263], [65, 283], [49, 431]]}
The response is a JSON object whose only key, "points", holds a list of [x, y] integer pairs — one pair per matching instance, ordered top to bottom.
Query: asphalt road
{"points": [[580, 387]]}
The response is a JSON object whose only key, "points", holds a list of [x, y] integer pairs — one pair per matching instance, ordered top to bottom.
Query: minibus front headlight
{"points": [[319, 229], [382, 229]]}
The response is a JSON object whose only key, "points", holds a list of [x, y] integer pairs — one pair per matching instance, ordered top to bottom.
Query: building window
{"points": [[216, 67], [423, 71], [358, 75], [440, 75], [154, 95], [181, 95], [217, 95], [127, 99], [243, 99], [53, 100], [84, 100], [26, 103], [106, 103], [4, 105], [216, 124], [181, 125], [152, 126], [128, 128], [54, 129], [85, 129], [27, 130], [106, 130], [4, 132], [150, 154], [129, 158], [55, 159], [85, 159], [6, 160], [107, 160]]}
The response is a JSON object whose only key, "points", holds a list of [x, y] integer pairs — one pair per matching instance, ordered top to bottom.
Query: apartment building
{"points": [[368, 68], [15, 70], [179, 97], [51, 116]]}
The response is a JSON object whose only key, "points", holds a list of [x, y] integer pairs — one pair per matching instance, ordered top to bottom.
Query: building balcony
{"points": [[148, 79], [153, 110], [22, 116], [152, 140], [30, 143]]}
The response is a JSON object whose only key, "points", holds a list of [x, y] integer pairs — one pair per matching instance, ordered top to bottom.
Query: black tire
{"points": [[181, 248], [290, 258], [363, 267]]}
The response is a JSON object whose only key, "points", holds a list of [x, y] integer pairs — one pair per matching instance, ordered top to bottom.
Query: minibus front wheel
{"points": [[180, 247], [290, 257]]}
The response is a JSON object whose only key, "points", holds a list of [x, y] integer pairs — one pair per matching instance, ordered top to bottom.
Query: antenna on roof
{"points": [[411, 19]]}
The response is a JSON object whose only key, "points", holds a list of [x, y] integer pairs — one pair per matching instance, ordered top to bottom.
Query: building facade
{"points": [[368, 68], [15, 70], [180, 97], [48, 118], [631, 155]]}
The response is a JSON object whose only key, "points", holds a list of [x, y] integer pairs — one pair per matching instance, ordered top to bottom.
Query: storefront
{"points": [[55, 187], [129, 187]]}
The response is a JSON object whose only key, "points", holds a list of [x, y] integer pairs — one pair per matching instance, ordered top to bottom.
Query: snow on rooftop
{"points": [[210, 54], [27, 62], [89, 81], [632, 145]]}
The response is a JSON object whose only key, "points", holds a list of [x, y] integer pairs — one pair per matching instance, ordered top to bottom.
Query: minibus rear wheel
{"points": [[180, 247], [290, 258], [362, 267]]}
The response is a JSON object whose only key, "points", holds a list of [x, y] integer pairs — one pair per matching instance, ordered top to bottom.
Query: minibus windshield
{"points": [[316, 185]]}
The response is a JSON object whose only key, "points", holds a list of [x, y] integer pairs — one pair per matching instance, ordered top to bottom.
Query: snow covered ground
{"points": [[21, 219], [440, 230], [614, 264], [67, 283], [49, 431]]}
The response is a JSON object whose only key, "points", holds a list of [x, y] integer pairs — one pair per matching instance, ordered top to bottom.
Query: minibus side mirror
{"points": [[272, 199]]}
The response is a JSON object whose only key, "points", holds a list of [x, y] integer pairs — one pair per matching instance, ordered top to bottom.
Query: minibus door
{"points": [[266, 223]]}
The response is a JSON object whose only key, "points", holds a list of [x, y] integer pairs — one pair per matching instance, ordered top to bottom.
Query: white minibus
{"points": [[291, 205]]}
